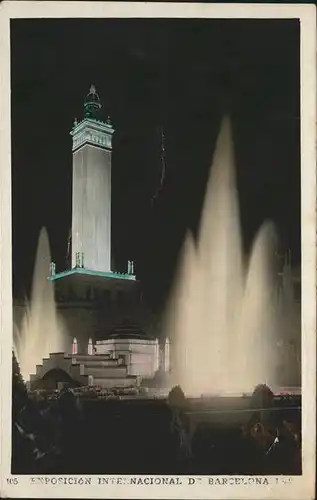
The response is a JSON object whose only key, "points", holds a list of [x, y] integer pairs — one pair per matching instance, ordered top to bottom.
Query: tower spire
{"points": [[92, 104]]}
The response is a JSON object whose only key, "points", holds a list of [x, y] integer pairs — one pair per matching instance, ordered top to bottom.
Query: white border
{"points": [[301, 487]]}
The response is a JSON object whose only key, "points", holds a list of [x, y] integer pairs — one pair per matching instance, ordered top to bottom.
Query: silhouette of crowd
{"points": [[65, 435]]}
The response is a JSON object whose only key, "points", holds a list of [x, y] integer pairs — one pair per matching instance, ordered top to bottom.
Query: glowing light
{"points": [[223, 317], [41, 332], [74, 346], [90, 347]]}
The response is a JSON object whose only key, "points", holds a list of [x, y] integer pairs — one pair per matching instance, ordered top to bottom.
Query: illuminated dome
{"points": [[92, 104], [128, 331]]}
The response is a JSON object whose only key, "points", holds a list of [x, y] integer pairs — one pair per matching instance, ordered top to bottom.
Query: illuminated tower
{"points": [[91, 205]]}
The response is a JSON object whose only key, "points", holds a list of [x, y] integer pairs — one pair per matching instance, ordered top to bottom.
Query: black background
{"points": [[177, 74]]}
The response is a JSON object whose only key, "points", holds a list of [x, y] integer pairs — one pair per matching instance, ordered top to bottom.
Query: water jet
{"points": [[223, 318], [41, 331]]}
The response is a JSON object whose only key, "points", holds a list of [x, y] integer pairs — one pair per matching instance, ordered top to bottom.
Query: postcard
{"points": [[158, 250]]}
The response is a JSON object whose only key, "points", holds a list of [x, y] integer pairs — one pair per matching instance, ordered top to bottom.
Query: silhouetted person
{"points": [[177, 403]]}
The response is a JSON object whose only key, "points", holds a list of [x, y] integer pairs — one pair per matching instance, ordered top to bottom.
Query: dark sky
{"points": [[179, 74]]}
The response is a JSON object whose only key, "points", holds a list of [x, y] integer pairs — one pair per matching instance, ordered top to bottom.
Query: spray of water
{"points": [[222, 317], [41, 331]]}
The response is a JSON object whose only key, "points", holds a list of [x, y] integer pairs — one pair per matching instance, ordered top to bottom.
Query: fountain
{"points": [[223, 317], [41, 331]]}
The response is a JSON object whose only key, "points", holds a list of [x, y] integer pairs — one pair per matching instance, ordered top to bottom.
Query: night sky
{"points": [[181, 75]]}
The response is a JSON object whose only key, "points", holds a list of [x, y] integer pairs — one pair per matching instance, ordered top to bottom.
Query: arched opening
{"points": [[56, 378]]}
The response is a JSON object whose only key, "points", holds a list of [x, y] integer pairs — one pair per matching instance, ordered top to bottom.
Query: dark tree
{"points": [[19, 392], [262, 397]]}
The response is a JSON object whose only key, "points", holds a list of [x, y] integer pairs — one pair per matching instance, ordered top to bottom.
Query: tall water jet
{"points": [[219, 257], [222, 317], [182, 320], [259, 324], [41, 332], [289, 342]]}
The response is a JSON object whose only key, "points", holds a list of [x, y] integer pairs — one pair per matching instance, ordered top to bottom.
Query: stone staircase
{"points": [[97, 369]]}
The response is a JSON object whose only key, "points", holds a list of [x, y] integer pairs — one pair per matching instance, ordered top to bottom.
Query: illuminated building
{"points": [[100, 308]]}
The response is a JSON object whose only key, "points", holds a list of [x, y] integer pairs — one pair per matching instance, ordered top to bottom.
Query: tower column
{"points": [[91, 204]]}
